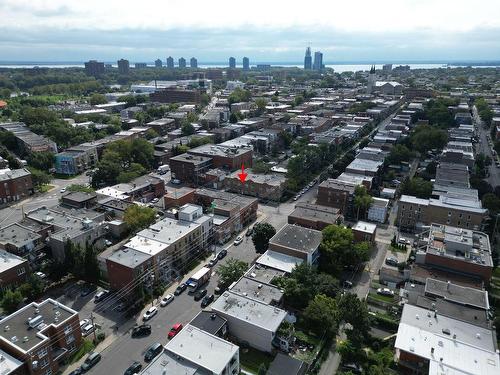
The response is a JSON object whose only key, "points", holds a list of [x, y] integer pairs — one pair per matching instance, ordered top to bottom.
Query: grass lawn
{"points": [[45, 188], [398, 250], [376, 296], [86, 347], [307, 355], [251, 359]]}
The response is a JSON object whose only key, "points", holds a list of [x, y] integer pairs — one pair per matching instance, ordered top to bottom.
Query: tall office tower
{"points": [[308, 59], [318, 61], [170, 62], [182, 62], [193, 62], [232, 62], [158, 63], [246, 63], [123, 66], [94, 68], [387, 68]]}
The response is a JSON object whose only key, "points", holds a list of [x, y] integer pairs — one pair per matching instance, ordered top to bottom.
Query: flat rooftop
{"points": [[219, 150], [192, 159], [274, 179], [338, 185], [315, 212], [363, 226], [17, 235], [298, 238], [146, 245], [129, 257], [9, 260], [279, 261], [263, 274], [251, 288], [458, 294], [250, 311], [208, 321], [15, 331], [457, 345], [207, 351], [169, 363], [9, 364]]}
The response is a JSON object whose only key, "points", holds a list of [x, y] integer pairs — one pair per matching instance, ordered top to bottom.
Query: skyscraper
{"points": [[308, 59], [318, 61], [170, 62], [182, 62], [193, 62], [232, 62], [158, 63], [246, 63], [123, 66], [94, 68], [372, 79]]}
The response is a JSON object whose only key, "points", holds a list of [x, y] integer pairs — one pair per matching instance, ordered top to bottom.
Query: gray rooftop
{"points": [[13, 174], [339, 185], [315, 212], [17, 235], [297, 238], [129, 257], [263, 274], [251, 288], [458, 294], [208, 321], [15, 331], [173, 365]]}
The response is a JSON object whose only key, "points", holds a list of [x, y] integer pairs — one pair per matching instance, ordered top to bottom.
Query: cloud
{"points": [[76, 30]]}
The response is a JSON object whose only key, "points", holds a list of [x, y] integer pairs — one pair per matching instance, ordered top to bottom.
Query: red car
{"points": [[176, 328]]}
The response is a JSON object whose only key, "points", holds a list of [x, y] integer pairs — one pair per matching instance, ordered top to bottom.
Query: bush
{"points": [[100, 337]]}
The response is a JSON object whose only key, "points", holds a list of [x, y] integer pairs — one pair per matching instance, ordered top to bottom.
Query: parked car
{"points": [[175, 181], [63, 190], [154, 200], [249, 232], [237, 241], [404, 241], [222, 254], [391, 261], [212, 262], [40, 275], [347, 284], [181, 288], [86, 290], [219, 290], [385, 292], [200, 294], [100, 296], [166, 300], [207, 300], [152, 311], [84, 322], [176, 328], [88, 329], [142, 330], [153, 351], [91, 361], [134, 368], [77, 371]]}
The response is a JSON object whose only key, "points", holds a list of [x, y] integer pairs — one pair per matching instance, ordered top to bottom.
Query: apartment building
{"points": [[175, 95], [27, 140], [227, 158], [76, 159], [189, 168], [15, 184], [270, 186], [143, 189], [338, 194], [462, 212], [314, 216], [298, 242], [457, 250], [13, 270], [41, 336]]}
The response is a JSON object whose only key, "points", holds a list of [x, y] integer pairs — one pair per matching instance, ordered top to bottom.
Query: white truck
{"points": [[162, 169], [198, 279]]}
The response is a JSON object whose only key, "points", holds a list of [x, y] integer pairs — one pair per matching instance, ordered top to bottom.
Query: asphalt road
{"points": [[484, 147]]}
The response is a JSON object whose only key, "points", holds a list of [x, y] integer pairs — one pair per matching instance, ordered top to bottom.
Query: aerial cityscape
{"points": [[297, 192]]}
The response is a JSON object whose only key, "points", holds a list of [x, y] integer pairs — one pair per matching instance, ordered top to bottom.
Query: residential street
{"points": [[483, 147]]}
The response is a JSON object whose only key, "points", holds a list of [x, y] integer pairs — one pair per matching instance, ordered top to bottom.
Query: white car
{"points": [[63, 190], [237, 241], [385, 292], [166, 300], [152, 311], [84, 322], [88, 329]]}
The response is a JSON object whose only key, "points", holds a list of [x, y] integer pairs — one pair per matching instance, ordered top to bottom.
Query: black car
{"points": [[249, 232], [222, 254], [212, 262], [181, 288], [200, 294], [207, 300], [142, 330], [153, 351], [134, 368], [77, 371]]}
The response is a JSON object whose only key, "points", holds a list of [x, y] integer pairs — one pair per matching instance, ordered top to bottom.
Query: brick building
{"points": [[174, 95], [227, 158], [190, 168], [15, 184], [338, 194], [314, 216], [298, 242], [13, 270]]}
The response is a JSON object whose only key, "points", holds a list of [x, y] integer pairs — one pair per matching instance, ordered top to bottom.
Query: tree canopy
{"points": [[137, 217], [262, 233], [231, 271]]}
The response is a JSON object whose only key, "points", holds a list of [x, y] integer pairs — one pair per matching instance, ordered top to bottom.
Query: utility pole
{"points": [[92, 321]]}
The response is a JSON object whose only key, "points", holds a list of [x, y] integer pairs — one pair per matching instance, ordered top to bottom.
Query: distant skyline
{"points": [[355, 31]]}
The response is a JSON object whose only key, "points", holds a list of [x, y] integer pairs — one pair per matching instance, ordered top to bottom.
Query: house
{"points": [[227, 158], [378, 210], [314, 216], [364, 231], [296, 241], [250, 321], [41, 335]]}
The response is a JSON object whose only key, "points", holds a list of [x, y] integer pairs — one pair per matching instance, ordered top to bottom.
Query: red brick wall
{"points": [[481, 271]]}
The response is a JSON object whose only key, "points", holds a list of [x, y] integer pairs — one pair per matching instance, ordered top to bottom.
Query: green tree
{"points": [[239, 95], [97, 99], [261, 104], [187, 128], [425, 138], [398, 154], [260, 167], [39, 177], [417, 187], [362, 200], [138, 218], [262, 233], [335, 248], [90, 263], [231, 271], [32, 288], [11, 300], [355, 312], [320, 316]]}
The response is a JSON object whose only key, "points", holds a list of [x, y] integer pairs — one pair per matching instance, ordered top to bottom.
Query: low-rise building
{"points": [[27, 140], [227, 158], [190, 168], [15, 184], [270, 186], [338, 194], [378, 210], [314, 216], [364, 231], [298, 242], [457, 250], [13, 270], [252, 322], [41, 336]]}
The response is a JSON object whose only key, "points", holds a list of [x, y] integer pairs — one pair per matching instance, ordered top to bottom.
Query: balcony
{"points": [[58, 353]]}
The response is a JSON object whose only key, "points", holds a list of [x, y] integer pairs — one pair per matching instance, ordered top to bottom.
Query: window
{"points": [[403, 206], [449, 213], [460, 216], [448, 221], [459, 222], [21, 271], [67, 329], [70, 339], [71, 347], [42, 352], [44, 363], [48, 372]]}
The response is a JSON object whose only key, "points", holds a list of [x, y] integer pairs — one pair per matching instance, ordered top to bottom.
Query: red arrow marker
{"points": [[242, 175]]}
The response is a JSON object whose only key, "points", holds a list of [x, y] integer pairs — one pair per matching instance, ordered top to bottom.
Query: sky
{"points": [[263, 30]]}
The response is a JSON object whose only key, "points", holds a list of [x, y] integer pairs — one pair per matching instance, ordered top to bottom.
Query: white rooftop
{"points": [[363, 226], [146, 245], [279, 261], [467, 349], [208, 351], [8, 364]]}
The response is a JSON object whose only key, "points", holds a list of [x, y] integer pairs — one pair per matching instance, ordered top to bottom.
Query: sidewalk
{"points": [[99, 348]]}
